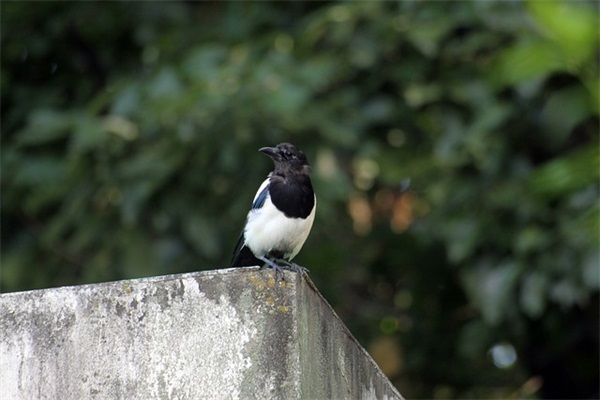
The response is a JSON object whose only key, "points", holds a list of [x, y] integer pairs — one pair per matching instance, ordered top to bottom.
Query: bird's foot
{"points": [[295, 267], [277, 270]]}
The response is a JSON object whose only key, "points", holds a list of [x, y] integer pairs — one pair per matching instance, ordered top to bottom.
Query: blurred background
{"points": [[455, 158]]}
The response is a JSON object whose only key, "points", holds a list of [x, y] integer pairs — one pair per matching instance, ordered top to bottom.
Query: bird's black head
{"points": [[288, 157]]}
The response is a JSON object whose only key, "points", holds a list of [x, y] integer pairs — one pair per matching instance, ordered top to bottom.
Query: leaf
{"points": [[572, 25], [427, 36], [525, 61], [203, 63], [317, 73], [166, 85], [287, 98], [127, 101], [378, 109], [562, 112], [44, 126], [120, 126], [88, 134], [40, 171], [563, 175], [579, 222], [590, 223], [463, 235], [531, 239], [590, 272], [491, 288], [567, 293], [533, 294]]}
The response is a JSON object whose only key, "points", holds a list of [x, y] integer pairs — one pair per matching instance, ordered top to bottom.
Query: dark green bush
{"points": [[454, 149]]}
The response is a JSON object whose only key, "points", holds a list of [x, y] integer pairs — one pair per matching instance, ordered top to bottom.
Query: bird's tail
{"points": [[243, 257]]}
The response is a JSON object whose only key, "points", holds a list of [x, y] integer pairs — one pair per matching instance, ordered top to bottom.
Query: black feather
{"points": [[295, 198], [242, 256]]}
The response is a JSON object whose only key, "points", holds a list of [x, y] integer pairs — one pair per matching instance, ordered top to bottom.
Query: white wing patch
{"points": [[261, 188]]}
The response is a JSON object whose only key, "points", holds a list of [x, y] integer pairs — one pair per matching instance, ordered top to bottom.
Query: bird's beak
{"points": [[272, 152]]}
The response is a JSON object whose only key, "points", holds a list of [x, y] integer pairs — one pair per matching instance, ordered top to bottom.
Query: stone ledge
{"points": [[230, 333]]}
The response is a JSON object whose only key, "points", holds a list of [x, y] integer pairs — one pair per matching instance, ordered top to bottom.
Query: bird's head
{"points": [[287, 157]]}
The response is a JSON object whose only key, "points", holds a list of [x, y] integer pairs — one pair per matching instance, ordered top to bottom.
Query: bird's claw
{"points": [[295, 267], [278, 269]]}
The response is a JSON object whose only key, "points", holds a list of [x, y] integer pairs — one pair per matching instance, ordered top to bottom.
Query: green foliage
{"points": [[129, 149]]}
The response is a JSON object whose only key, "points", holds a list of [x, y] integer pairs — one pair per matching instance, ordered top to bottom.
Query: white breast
{"points": [[269, 229]]}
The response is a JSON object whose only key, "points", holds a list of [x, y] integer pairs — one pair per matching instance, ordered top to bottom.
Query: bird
{"points": [[282, 214]]}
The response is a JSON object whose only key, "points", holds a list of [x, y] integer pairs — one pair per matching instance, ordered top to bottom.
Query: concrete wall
{"points": [[226, 334]]}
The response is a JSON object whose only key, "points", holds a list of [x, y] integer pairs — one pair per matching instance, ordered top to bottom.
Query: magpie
{"points": [[282, 214]]}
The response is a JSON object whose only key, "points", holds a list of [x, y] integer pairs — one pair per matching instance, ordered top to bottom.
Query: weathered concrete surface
{"points": [[230, 334]]}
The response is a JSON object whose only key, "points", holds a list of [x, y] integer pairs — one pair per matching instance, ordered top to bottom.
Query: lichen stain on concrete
{"points": [[257, 281], [260, 283], [127, 289], [269, 295], [283, 309]]}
